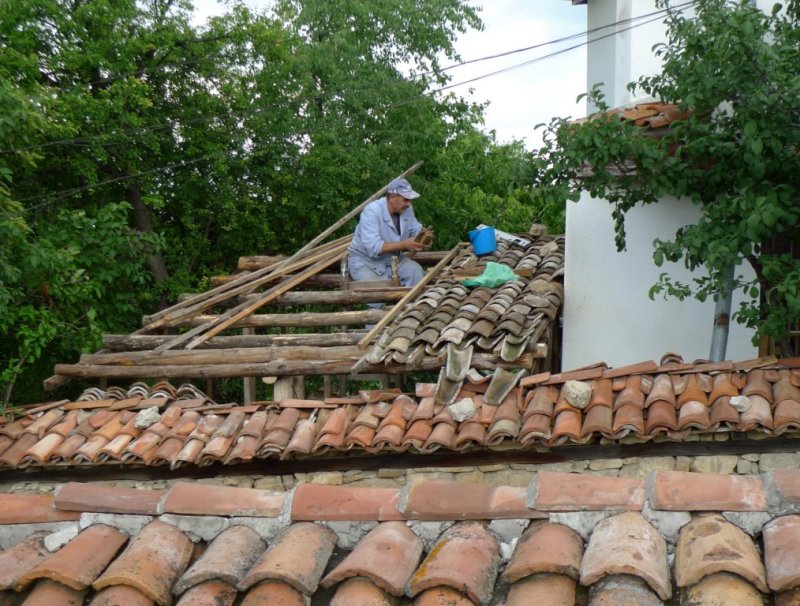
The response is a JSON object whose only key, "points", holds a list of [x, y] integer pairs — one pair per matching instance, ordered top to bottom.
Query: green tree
{"points": [[140, 151], [735, 156]]}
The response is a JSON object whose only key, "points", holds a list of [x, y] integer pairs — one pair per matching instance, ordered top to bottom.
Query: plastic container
{"points": [[483, 240]]}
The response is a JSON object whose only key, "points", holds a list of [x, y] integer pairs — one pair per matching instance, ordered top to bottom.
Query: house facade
{"points": [[608, 314]]}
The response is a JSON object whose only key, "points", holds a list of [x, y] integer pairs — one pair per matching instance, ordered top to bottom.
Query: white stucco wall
{"points": [[608, 315]]}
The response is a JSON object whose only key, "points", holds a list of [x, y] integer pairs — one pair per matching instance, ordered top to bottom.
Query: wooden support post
{"points": [[249, 383]]}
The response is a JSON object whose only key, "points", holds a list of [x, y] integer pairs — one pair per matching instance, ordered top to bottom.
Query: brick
{"points": [[553, 491], [687, 491], [77, 496], [204, 499], [450, 500], [318, 502], [32, 509]]}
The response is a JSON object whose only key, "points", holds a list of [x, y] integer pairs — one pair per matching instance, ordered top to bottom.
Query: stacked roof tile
{"points": [[455, 321], [173, 427], [614, 541]]}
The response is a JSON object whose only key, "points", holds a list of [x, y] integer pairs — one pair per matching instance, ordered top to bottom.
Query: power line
{"points": [[88, 139], [69, 192]]}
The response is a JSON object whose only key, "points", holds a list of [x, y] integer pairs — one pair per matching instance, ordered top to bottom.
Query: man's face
{"points": [[397, 203]]}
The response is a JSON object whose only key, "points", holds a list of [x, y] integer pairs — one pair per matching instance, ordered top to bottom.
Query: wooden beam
{"points": [[252, 263], [323, 297], [304, 319], [147, 342], [221, 356], [269, 369]]}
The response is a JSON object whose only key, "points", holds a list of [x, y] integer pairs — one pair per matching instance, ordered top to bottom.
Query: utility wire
{"points": [[88, 139], [69, 192]]}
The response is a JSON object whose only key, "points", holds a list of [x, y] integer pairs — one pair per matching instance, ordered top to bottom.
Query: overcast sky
{"points": [[522, 97]]}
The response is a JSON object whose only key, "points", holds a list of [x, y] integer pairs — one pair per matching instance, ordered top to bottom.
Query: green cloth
{"points": [[495, 274]]}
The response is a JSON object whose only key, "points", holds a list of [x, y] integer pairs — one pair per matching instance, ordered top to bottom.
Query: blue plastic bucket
{"points": [[483, 240]]}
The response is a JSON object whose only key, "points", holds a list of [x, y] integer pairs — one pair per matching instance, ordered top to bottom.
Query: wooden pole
{"points": [[357, 210], [304, 319], [148, 342], [279, 368]]}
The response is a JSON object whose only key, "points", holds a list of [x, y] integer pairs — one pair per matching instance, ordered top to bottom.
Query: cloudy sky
{"points": [[537, 87]]}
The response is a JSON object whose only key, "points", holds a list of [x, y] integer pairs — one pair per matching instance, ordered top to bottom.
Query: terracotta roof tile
{"points": [[675, 401], [556, 491], [686, 491], [80, 496], [192, 498], [424, 499], [323, 502], [28, 509], [627, 544], [710, 544], [545, 548], [782, 552], [388, 555], [297, 557], [228, 558], [466, 558], [20, 559], [152, 562], [78, 563], [724, 588], [543, 589], [623, 590], [361, 591], [51, 593], [216, 593], [273, 593], [121, 595], [442, 596]]}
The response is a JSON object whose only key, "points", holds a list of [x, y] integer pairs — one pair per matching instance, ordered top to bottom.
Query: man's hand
{"points": [[412, 245]]}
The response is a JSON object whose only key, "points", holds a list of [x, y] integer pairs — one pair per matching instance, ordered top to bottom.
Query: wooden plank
{"points": [[353, 213], [256, 262], [410, 295], [355, 296], [304, 319], [147, 342], [221, 356], [279, 368]]}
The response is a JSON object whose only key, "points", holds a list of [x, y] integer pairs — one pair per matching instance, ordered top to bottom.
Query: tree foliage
{"points": [[736, 70], [140, 151]]}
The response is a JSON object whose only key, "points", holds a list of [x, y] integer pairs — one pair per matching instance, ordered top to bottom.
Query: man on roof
{"points": [[387, 228]]}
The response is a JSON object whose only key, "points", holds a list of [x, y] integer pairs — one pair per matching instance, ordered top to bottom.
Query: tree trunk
{"points": [[141, 221]]}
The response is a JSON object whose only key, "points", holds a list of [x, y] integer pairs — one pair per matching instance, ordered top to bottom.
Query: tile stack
{"points": [[460, 323], [567, 539]]}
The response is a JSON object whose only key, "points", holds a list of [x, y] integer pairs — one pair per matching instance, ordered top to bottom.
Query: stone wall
{"points": [[495, 475]]}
